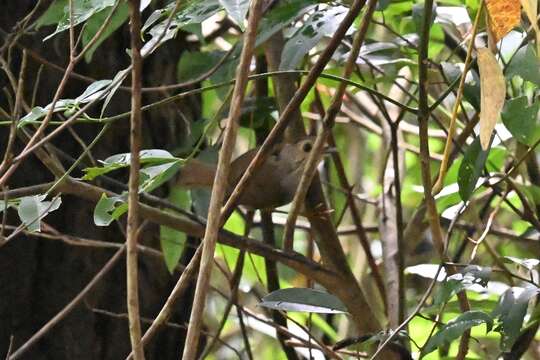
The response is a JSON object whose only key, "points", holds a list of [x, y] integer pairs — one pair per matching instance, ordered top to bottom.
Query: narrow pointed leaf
{"points": [[492, 93]]}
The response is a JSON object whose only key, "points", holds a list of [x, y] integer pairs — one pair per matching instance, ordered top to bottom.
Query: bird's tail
{"points": [[196, 174]]}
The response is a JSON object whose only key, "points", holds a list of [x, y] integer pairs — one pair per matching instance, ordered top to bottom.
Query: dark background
{"points": [[38, 277]]}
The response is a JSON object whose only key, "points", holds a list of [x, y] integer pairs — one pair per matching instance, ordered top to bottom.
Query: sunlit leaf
{"points": [[237, 9], [82, 10], [190, 12], [53, 14], [282, 15], [503, 16], [93, 24], [320, 24], [525, 64], [116, 83], [93, 91], [39, 112], [522, 120], [157, 166], [157, 175], [34, 208], [107, 209], [173, 241], [529, 264], [466, 279], [300, 299], [511, 312], [456, 327]]}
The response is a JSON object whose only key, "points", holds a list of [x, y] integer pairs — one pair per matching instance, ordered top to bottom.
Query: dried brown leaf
{"points": [[531, 10], [503, 16], [492, 93]]}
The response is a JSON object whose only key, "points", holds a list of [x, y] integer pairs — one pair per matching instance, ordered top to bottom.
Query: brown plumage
{"points": [[274, 183]]}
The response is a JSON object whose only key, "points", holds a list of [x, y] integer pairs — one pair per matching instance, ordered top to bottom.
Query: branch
{"points": [[294, 104], [423, 119], [221, 182], [133, 191]]}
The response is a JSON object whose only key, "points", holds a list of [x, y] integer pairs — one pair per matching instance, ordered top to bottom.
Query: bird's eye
{"points": [[307, 147], [275, 155]]}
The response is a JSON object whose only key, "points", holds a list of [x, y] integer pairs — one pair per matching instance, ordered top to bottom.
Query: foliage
{"points": [[487, 210]]}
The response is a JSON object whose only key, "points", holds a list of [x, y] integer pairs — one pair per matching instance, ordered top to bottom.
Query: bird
{"points": [[272, 185]]}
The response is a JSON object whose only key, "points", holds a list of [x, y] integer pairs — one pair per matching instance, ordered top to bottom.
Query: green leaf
{"points": [[383, 4], [236, 9], [82, 11], [191, 12], [53, 14], [282, 15], [418, 15], [119, 17], [320, 24], [193, 64], [525, 64], [117, 81], [471, 90], [93, 91], [256, 111], [38, 112], [521, 120], [148, 156], [148, 159], [471, 167], [91, 173], [158, 175], [531, 192], [10, 204], [34, 208], [106, 210], [235, 224], [173, 241], [528, 264], [465, 279], [448, 289], [306, 300], [454, 306], [511, 311], [456, 327]]}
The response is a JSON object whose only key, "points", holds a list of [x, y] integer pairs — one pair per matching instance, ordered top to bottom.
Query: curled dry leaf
{"points": [[531, 10], [503, 15], [492, 93]]}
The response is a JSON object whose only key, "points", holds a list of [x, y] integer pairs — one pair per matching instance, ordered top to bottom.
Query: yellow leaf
{"points": [[531, 10], [503, 16], [492, 94]]}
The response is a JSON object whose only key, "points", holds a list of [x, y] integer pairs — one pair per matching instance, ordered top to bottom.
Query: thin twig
{"points": [[73, 60], [295, 102], [423, 118], [328, 123], [8, 155], [220, 182], [437, 187], [133, 191], [272, 281], [167, 324]]}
